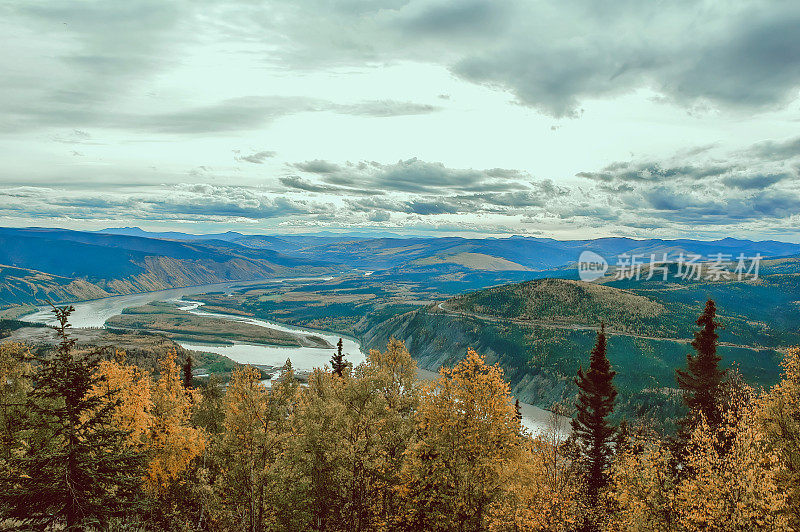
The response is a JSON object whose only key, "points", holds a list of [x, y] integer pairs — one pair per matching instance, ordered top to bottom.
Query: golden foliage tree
{"points": [[130, 390], [780, 419], [256, 429], [466, 435], [350, 436], [172, 442], [733, 479], [541, 487]]}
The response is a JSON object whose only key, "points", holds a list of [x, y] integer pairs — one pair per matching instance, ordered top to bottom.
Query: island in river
{"points": [[175, 321]]}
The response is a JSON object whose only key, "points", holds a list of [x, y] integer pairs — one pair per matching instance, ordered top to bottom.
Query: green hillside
{"points": [[540, 331]]}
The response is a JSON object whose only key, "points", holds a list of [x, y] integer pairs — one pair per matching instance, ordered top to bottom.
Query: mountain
{"points": [[228, 236], [505, 254], [513, 254], [41, 264], [540, 331]]}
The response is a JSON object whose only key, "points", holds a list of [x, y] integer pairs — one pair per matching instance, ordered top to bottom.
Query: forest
{"points": [[89, 441]]}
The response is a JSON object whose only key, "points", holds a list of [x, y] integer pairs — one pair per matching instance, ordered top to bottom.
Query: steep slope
{"points": [[60, 265]]}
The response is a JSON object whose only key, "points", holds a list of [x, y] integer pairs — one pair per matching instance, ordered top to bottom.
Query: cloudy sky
{"points": [[570, 119]]}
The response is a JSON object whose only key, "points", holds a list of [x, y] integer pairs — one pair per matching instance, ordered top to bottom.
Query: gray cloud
{"points": [[741, 55], [385, 108], [776, 150], [255, 158], [318, 166], [654, 172], [757, 181], [298, 183], [428, 183], [752, 185], [183, 202]]}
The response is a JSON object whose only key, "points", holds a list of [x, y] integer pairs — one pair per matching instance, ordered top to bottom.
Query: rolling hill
{"points": [[540, 331]]}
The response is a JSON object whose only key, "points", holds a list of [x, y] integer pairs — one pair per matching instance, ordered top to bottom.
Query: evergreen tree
{"points": [[337, 361], [187, 372], [702, 380], [517, 412], [594, 433], [77, 470]]}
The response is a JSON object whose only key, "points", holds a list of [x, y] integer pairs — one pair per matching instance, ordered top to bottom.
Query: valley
{"points": [[516, 301]]}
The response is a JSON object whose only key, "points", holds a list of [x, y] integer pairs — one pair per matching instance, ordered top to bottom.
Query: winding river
{"points": [[94, 313]]}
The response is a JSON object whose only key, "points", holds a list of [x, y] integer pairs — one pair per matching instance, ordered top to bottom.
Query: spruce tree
{"points": [[337, 361], [187, 372], [702, 380], [517, 412], [591, 428], [76, 471]]}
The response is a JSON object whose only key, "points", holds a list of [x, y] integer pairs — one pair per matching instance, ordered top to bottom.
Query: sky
{"points": [[569, 119]]}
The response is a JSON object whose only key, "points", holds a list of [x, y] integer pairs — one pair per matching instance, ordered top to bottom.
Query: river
{"points": [[94, 313]]}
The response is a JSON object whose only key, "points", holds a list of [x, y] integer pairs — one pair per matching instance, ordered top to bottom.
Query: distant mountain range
{"points": [[516, 253], [38, 264]]}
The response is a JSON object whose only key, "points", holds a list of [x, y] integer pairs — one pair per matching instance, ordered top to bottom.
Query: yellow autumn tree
{"points": [[392, 377], [130, 389], [780, 418], [256, 429], [350, 435], [466, 435], [172, 442], [315, 465], [727, 480], [541, 486], [643, 487], [732, 490]]}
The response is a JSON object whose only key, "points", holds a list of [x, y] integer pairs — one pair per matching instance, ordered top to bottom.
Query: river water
{"points": [[94, 313]]}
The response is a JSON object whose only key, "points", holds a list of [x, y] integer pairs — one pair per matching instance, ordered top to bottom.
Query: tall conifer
{"points": [[337, 361], [187, 372], [702, 380], [592, 430], [77, 470]]}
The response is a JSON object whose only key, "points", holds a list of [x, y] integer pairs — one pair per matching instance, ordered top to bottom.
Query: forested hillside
{"points": [[538, 330]]}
